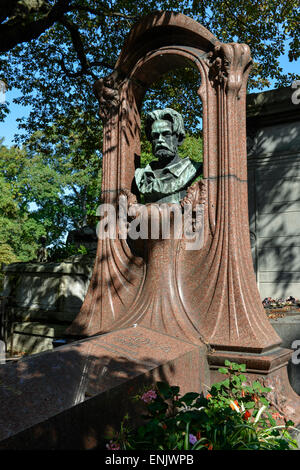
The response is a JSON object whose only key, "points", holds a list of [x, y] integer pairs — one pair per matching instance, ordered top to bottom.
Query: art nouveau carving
{"points": [[205, 295]]}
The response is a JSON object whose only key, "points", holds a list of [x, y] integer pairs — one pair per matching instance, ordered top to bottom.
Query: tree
{"points": [[56, 49], [42, 194], [19, 233]]}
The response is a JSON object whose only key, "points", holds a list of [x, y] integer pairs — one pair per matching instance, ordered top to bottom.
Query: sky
{"points": [[9, 127]]}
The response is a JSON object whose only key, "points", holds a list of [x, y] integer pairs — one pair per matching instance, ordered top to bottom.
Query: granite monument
{"points": [[207, 296], [168, 313]]}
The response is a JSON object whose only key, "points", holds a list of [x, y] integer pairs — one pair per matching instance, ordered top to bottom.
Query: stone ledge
{"points": [[272, 106], [68, 398]]}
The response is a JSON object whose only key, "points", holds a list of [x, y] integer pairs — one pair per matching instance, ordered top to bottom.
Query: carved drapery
{"points": [[209, 294]]}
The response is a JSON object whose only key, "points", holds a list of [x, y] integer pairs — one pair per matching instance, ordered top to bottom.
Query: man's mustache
{"points": [[162, 147]]}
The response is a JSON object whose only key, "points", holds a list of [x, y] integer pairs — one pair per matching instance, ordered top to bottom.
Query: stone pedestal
{"points": [[270, 369], [70, 397]]}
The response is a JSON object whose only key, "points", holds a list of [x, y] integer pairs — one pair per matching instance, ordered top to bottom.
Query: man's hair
{"points": [[166, 114]]}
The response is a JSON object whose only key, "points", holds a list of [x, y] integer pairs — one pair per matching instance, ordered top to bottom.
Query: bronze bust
{"points": [[166, 179]]}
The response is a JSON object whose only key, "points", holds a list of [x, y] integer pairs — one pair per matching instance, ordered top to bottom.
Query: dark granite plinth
{"points": [[68, 398]]}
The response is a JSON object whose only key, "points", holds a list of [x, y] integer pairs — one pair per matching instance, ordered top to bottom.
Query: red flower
{"points": [[208, 396], [246, 415], [209, 446]]}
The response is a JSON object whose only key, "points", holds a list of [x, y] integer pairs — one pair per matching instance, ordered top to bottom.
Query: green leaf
{"points": [[226, 383], [164, 389], [175, 390], [188, 398], [264, 401], [249, 405], [289, 423]]}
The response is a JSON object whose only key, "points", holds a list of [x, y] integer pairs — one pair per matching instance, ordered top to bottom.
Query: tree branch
{"points": [[7, 8], [103, 12], [18, 29], [77, 42], [79, 49]]}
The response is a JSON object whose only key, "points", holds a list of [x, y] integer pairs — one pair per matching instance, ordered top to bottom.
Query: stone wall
{"points": [[273, 133], [43, 299]]}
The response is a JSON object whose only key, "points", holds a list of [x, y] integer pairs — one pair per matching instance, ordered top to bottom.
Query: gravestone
{"points": [[205, 296], [42, 300], [156, 308], [70, 397]]}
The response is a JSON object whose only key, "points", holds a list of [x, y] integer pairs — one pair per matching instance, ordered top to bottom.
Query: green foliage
{"points": [[53, 55], [178, 89], [44, 194], [19, 232], [60, 252], [234, 415]]}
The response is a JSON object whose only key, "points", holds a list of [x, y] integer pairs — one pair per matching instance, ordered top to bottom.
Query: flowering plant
{"points": [[268, 302], [232, 415]]}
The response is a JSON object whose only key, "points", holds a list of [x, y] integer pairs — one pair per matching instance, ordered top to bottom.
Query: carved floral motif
{"points": [[227, 65], [219, 66], [107, 92], [196, 194]]}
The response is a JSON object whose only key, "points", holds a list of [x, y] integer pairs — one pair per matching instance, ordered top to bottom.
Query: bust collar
{"points": [[176, 168]]}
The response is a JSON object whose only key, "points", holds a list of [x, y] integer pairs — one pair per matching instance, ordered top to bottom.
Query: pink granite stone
{"points": [[207, 296], [69, 397]]}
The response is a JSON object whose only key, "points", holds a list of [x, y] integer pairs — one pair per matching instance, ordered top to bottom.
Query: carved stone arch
{"points": [[155, 64], [215, 287]]}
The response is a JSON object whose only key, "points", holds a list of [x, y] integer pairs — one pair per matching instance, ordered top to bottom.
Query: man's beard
{"points": [[165, 154]]}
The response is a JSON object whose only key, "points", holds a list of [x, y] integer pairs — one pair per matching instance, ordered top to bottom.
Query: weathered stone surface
{"points": [[273, 129], [52, 291], [47, 294], [34, 337], [68, 397]]}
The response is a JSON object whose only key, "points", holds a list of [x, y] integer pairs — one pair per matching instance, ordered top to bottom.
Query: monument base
{"points": [[269, 368], [69, 398]]}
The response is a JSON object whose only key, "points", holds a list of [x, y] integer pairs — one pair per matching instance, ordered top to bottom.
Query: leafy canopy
{"points": [[53, 51], [43, 195]]}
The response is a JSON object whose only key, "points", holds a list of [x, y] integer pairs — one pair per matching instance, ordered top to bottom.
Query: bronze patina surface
{"points": [[167, 178]]}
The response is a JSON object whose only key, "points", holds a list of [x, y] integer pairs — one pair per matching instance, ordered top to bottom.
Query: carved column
{"points": [[117, 272], [235, 319]]}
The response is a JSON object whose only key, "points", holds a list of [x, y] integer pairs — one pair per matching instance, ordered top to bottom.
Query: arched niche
{"points": [[211, 294]]}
